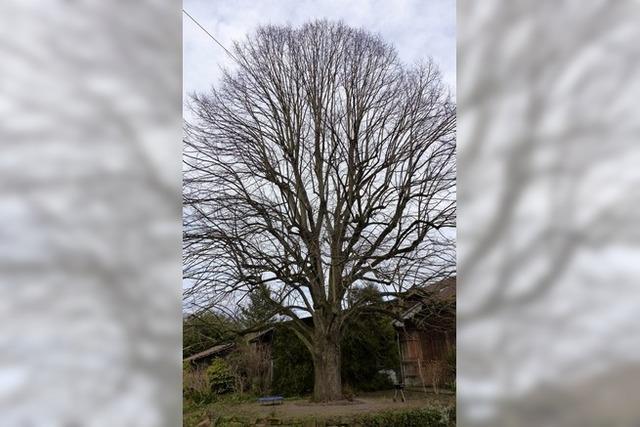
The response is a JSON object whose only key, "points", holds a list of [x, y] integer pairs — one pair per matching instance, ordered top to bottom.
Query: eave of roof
{"points": [[211, 351]]}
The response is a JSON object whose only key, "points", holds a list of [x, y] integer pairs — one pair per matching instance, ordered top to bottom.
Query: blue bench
{"points": [[271, 400]]}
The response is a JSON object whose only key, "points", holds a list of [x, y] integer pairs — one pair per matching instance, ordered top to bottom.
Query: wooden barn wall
{"points": [[424, 357]]}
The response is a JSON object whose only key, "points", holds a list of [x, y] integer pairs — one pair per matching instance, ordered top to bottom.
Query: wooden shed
{"points": [[427, 337]]}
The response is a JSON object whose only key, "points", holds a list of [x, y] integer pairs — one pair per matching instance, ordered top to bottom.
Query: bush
{"points": [[368, 346], [292, 364], [250, 367], [220, 376], [379, 381], [195, 385], [205, 385], [451, 413], [406, 418], [409, 418]]}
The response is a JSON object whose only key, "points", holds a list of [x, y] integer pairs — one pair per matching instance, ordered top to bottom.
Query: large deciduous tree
{"points": [[320, 164]]}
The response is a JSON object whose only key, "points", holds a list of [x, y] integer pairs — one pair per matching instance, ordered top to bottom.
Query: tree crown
{"points": [[320, 163]]}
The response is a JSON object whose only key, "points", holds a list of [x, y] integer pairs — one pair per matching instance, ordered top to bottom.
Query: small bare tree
{"points": [[320, 164]]}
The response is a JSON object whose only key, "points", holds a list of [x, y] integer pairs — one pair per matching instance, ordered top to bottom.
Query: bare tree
{"points": [[320, 164]]}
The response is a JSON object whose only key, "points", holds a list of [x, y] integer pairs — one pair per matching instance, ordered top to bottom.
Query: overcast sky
{"points": [[418, 29]]}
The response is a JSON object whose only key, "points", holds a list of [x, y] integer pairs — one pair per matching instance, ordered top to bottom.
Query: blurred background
{"points": [[90, 182], [549, 213], [548, 231]]}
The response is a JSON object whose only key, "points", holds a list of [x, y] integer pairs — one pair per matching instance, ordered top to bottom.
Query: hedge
{"points": [[403, 418], [408, 418]]}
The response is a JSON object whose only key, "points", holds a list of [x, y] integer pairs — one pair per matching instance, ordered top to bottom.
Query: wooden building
{"points": [[425, 334], [427, 337]]}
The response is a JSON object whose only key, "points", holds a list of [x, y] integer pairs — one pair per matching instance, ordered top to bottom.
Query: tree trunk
{"points": [[327, 385]]}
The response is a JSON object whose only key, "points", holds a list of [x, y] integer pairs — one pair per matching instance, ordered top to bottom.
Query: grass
{"points": [[299, 409]]}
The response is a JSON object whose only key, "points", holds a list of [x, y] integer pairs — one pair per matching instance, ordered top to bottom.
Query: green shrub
{"points": [[368, 346], [292, 364], [220, 376], [451, 414], [408, 418]]}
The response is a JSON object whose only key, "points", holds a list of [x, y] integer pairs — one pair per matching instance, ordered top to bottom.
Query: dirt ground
{"points": [[365, 403]]}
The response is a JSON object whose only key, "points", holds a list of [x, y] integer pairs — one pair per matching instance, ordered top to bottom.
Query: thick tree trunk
{"points": [[327, 385]]}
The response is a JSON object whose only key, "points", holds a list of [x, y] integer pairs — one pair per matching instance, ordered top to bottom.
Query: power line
{"points": [[210, 35]]}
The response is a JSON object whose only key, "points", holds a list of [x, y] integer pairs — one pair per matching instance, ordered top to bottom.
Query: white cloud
{"points": [[417, 28]]}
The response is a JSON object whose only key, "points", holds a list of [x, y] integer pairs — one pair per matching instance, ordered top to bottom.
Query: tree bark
{"points": [[327, 384]]}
